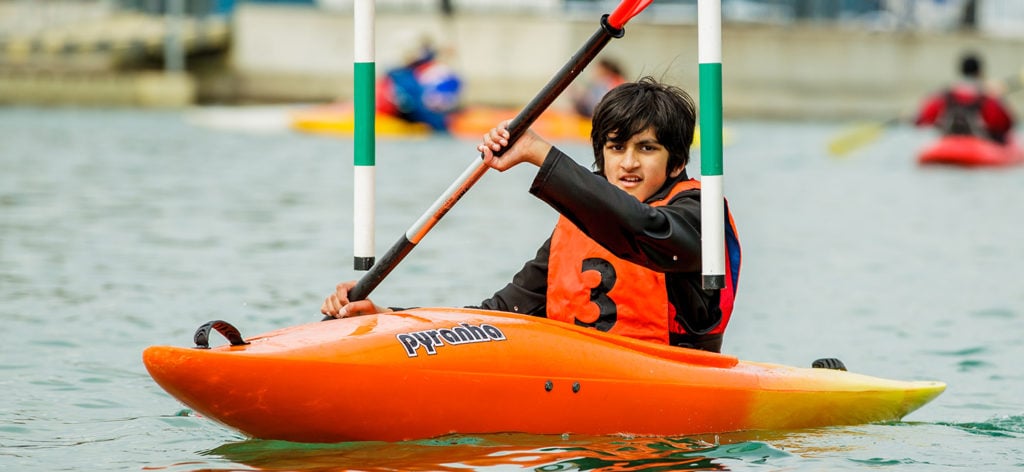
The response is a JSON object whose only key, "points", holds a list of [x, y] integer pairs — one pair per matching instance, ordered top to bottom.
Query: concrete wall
{"points": [[86, 54], [796, 71], [141, 89]]}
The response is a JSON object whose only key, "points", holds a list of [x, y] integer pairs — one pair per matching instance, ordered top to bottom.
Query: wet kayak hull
{"points": [[970, 151], [429, 372]]}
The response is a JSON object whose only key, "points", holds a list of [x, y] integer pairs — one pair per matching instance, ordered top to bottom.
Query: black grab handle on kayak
{"points": [[202, 336], [828, 363]]}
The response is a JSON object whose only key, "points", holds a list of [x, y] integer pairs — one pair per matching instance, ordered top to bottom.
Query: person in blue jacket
{"points": [[423, 90]]}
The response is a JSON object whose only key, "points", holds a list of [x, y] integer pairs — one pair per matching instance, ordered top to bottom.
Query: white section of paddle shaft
{"points": [[455, 191]]}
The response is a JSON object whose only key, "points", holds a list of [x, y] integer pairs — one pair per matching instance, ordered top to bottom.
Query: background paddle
{"points": [[611, 26], [865, 133], [860, 136]]}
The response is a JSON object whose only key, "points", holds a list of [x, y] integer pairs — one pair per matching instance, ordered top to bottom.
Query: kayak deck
{"points": [[428, 372]]}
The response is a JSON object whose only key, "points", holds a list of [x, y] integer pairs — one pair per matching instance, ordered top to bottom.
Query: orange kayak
{"points": [[428, 372]]}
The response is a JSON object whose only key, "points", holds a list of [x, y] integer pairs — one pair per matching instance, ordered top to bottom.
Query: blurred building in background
{"points": [[995, 16], [781, 58]]}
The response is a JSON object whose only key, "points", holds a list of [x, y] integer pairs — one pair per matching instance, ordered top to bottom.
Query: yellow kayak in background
{"points": [[468, 123]]}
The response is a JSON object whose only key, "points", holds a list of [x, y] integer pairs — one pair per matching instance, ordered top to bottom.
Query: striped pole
{"points": [[612, 26], [364, 174], [712, 209]]}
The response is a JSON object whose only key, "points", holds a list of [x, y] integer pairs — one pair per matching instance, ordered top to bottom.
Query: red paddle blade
{"points": [[626, 11]]}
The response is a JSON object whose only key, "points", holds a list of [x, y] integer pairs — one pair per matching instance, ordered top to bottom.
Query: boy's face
{"points": [[637, 165]]}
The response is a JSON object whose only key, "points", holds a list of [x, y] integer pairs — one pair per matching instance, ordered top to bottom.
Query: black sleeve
{"points": [[664, 238], [527, 294]]}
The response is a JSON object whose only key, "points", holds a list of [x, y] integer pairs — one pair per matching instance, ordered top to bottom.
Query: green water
{"points": [[124, 229]]}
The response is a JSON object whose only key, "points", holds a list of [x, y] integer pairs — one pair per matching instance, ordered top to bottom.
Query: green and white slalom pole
{"points": [[611, 26], [364, 173], [712, 209]]}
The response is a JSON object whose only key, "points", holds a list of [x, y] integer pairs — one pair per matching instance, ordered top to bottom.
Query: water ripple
{"points": [[1011, 426]]}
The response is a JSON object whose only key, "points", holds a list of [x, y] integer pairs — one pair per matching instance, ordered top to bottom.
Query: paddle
{"points": [[611, 26], [865, 133], [860, 136]]}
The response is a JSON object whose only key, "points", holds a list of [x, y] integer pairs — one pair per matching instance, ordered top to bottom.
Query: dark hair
{"points": [[970, 65], [633, 107]]}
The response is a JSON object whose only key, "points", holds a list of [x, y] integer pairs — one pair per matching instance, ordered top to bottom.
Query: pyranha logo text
{"points": [[430, 340]]}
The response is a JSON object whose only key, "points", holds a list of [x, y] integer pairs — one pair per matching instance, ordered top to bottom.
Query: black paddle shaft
{"points": [[561, 80], [517, 127]]}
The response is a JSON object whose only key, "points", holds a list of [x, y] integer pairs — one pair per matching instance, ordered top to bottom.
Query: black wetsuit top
{"points": [[664, 238]]}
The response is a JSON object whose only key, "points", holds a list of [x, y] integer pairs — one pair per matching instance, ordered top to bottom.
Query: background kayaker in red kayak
{"points": [[968, 107], [625, 256]]}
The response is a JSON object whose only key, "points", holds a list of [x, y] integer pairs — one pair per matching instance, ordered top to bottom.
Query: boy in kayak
{"points": [[967, 107], [625, 255]]}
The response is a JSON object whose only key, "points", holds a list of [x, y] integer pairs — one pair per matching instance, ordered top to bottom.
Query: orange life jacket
{"points": [[590, 286]]}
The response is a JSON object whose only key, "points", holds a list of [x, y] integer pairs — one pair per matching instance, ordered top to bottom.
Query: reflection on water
{"points": [[504, 452]]}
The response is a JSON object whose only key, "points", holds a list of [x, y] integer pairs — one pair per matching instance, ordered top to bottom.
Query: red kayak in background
{"points": [[971, 151]]}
